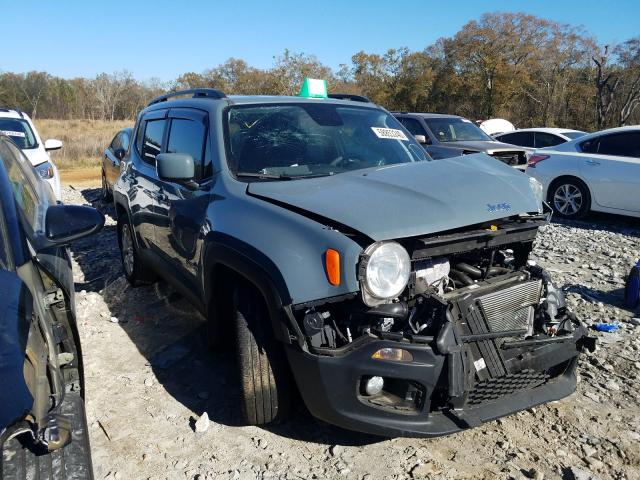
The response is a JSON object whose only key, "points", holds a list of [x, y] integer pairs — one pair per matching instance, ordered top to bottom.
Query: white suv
{"points": [[19, 127]]}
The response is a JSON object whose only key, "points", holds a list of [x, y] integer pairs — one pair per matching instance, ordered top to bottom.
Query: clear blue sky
{"points": [[160, 38]]}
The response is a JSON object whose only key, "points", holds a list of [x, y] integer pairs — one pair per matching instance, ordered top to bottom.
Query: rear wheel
{"points": [[570, 198], [134, 269], [264, 376]]}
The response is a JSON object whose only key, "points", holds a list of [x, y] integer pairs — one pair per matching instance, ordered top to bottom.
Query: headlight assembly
{"points": [[45, 170], [537, 189], [384, 272]]}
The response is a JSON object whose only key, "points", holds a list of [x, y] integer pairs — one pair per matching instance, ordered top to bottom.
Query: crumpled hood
{"points": [[485, 146], [410, 199]]}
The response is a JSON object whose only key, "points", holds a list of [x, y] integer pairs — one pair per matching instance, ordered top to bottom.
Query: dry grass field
{"points": [[83, 141]]}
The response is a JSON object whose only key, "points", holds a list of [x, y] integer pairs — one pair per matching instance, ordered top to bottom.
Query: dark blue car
{"points": [[42, 421]]}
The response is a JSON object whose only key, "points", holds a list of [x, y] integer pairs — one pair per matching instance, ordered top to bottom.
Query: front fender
{"points": [[288, 246], [253, 266]]}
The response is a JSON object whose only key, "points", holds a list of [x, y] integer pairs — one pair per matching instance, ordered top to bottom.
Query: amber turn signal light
{"points": [[332, 265], [395, 354]]}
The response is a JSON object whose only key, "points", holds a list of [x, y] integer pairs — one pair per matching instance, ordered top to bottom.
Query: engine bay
{"points": [[490, 290]]}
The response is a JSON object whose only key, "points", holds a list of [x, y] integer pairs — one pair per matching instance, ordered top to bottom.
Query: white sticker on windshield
{"points": [[466, 121], [12, 133], [391, 133]]}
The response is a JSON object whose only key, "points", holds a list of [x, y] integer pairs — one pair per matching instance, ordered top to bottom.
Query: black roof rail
{"points": [[194, 92], [349, 96], [17, 110]]}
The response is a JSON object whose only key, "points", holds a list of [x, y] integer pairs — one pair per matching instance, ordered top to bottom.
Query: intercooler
{"points": [[511, 309], [491, 313]]}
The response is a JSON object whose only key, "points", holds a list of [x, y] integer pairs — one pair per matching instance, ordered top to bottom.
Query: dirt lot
{"points": [[149, 377]]}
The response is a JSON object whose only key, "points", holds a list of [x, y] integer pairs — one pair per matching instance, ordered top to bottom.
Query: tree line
{"points": [[529, 70]]}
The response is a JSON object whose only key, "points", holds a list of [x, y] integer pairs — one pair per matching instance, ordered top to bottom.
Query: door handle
{"points": [[593, 162]]}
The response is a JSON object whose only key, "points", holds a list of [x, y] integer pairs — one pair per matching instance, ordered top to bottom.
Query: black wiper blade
{"points": [[268, 176]]}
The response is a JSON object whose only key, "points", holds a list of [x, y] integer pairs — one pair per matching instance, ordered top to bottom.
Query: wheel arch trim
{"points": [[249, 263]]}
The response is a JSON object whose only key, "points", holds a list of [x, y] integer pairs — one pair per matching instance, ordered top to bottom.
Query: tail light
{"points": [[534, 159]]}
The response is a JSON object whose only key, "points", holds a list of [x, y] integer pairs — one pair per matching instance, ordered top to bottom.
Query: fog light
{"points": [[395, 354], [374, 385]]}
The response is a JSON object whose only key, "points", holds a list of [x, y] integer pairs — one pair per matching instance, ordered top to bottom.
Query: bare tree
{"points": [[629, 58], [33, 86]]}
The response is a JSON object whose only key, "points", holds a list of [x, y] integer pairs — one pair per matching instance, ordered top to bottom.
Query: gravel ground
{"points": [[150, 380]]}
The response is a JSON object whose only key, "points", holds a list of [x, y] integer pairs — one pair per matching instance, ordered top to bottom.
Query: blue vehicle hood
{"points": [[410, 199]]}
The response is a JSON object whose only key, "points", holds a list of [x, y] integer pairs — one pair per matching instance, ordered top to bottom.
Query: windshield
{"points": [[456, 130], [19, 131], [574, 135], [304, 140]]}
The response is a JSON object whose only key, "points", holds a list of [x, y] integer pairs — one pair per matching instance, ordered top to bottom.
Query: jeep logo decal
{"points": [[496, 207]]}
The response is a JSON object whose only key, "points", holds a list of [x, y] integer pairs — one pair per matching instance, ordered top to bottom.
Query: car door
{"points": [[416, 128], [611, 166], [143, 179], [183, 206]]}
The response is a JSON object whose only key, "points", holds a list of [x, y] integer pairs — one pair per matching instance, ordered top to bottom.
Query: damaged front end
{"points": [[478, 332]]}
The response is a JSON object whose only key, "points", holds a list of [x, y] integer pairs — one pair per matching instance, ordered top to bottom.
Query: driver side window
{"points": [[415, 128]]}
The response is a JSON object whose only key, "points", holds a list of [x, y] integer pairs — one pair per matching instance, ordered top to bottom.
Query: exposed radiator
{"points": [[512, 307]]}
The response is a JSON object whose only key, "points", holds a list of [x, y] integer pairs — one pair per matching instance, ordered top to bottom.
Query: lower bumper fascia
{"points": [[329, 387]]}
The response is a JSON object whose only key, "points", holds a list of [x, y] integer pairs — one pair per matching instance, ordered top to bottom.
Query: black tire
{"points": [[105, 193], [570, 198], [135, 271], [220, 320], [265, 381]]}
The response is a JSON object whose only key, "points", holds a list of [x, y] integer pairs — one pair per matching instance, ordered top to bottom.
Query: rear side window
{"points": [[188, 136], [522, 139], [547, 140], [152, 143], [621, 144], [590, 146]]}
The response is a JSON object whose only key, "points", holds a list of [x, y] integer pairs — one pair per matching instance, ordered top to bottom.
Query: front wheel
{"points": [[105, 193], [570, 198], [135, 271], [264, 376]]}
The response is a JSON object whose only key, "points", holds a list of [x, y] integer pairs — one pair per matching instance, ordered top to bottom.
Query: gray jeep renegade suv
{"points": [[392, 291]]}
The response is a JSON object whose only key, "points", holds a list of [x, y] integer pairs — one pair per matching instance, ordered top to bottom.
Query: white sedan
{"points": [[532, 138], [596, 172]]}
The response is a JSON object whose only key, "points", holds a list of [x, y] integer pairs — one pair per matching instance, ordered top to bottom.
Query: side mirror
{"points": [[422, 139], [52, 144], [120, 153], [175, 167], [66, 223]]}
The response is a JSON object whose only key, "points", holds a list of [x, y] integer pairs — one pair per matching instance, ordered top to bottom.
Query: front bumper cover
{"points": [[330, 386]]}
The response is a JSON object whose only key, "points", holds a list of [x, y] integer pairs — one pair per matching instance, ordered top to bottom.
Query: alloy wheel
{"points": [[567, 199]]}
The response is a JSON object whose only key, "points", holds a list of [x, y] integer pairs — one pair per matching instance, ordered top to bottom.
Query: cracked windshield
{"points": [[306, 140]]}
